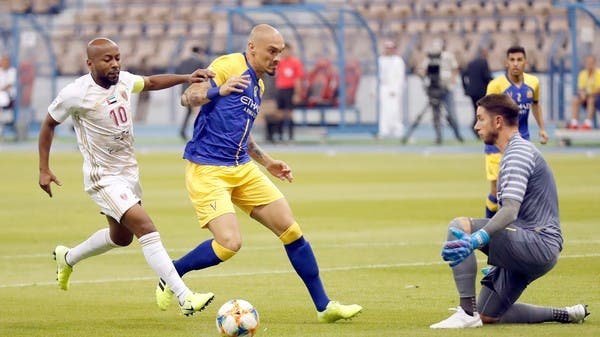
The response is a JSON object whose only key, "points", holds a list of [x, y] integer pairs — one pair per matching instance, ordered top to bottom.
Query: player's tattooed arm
{"points": [[195, 95], [257, 153], [276, 167]]}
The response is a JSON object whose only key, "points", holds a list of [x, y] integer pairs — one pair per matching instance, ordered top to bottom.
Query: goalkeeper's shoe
{"points": [[63, 270], [164, 295], [195, 302], [336, 311], [577, 313], [459, 320]]}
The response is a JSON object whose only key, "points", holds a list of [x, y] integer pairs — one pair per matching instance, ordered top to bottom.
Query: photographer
{"points": [[440, 73]]}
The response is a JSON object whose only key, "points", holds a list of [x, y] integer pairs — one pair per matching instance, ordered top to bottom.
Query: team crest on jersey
{"points": [[255, 91], [529, 93], [124, 94], [111, 100]]}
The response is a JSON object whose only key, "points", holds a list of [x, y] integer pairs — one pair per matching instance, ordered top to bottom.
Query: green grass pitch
{"points": [[376, 222]]}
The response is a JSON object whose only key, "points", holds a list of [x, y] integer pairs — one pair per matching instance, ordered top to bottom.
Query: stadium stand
{"points": [[172, 20], [164, 28]]}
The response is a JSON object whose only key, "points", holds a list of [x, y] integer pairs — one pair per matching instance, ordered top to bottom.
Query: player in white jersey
{"points": [[100, 105], [522, 240]]}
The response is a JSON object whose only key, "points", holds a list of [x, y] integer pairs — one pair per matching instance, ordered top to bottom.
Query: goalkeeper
{"points": [[522, 241]]}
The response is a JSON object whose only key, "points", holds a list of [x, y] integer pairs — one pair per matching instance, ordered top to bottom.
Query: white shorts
{"points": [[116, 195]]}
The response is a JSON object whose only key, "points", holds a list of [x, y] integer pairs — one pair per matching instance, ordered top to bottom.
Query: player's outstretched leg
{"points": [[304, 262], [63, 269], [336, 311], [459, 320]]}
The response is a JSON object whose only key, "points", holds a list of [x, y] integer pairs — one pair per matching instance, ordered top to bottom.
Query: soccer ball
{"points": [[237, 318]]}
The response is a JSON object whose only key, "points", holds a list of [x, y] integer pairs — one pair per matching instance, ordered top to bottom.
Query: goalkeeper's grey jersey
{"points": [[526, 177]]}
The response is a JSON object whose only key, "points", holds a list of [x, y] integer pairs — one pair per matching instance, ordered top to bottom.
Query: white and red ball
{"points": [[237, 318]]}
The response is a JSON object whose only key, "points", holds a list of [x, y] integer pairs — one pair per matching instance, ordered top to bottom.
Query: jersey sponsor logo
{"points": [[250, 106], [524, 108]]}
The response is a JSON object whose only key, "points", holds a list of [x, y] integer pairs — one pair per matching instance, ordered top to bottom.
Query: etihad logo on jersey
{"points": [[250, 106], [524, 108]]}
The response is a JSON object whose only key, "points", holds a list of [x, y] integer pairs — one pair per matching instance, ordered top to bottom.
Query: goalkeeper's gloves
{"points": [[456, 251]]}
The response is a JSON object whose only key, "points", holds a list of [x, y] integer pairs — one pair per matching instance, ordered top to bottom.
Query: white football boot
{"points": [[459, 320]]}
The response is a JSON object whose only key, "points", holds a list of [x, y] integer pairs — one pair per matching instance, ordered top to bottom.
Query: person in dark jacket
{"points": [[475, 79]]}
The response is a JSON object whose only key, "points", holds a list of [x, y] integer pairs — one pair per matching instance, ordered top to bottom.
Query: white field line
{"points": [[132, 250], [263, 272]]}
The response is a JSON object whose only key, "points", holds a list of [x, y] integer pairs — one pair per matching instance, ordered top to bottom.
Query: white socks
{"points": [[96, 244], [159, 260]]}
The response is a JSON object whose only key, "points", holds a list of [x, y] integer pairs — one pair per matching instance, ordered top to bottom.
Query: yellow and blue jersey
{"points": [[525, 95], [223, 125]]}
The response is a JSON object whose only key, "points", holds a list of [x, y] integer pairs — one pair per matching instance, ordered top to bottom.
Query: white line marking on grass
{"points": [[131, 250], [135, 250], [263, 272]]}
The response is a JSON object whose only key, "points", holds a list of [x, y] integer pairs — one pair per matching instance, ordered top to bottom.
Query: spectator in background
{"points": [[187, 66], [8, 77], [475, 79], [392, 80], [26, 81], [288, 81], [588, 94]]}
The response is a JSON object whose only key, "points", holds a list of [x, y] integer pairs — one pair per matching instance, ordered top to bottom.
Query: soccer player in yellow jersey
{"points": [[524, 89], [588, 94], [221, 171]]}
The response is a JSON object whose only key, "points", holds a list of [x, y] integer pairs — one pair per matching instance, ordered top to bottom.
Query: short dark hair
{"points": [[516, 49], [503, 105]]}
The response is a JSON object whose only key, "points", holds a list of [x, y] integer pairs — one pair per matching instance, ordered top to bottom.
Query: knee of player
{"points": [[461, 223], [122, 240], [232, 243], [227, 249], [487, 319]]}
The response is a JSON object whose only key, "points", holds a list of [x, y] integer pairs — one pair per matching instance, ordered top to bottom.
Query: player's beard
{"points": [[112, 77], [489, 139]]}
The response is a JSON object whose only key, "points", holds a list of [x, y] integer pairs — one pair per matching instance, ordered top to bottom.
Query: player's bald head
{"points": [[263, 32], [265, 44], [98, 46], [104, 61]]}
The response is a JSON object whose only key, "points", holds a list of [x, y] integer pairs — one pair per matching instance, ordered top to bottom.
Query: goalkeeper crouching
{"points": [[522, 241]]}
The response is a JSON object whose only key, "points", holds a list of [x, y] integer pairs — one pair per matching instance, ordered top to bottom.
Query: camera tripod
{"points": [[436, 106]]}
